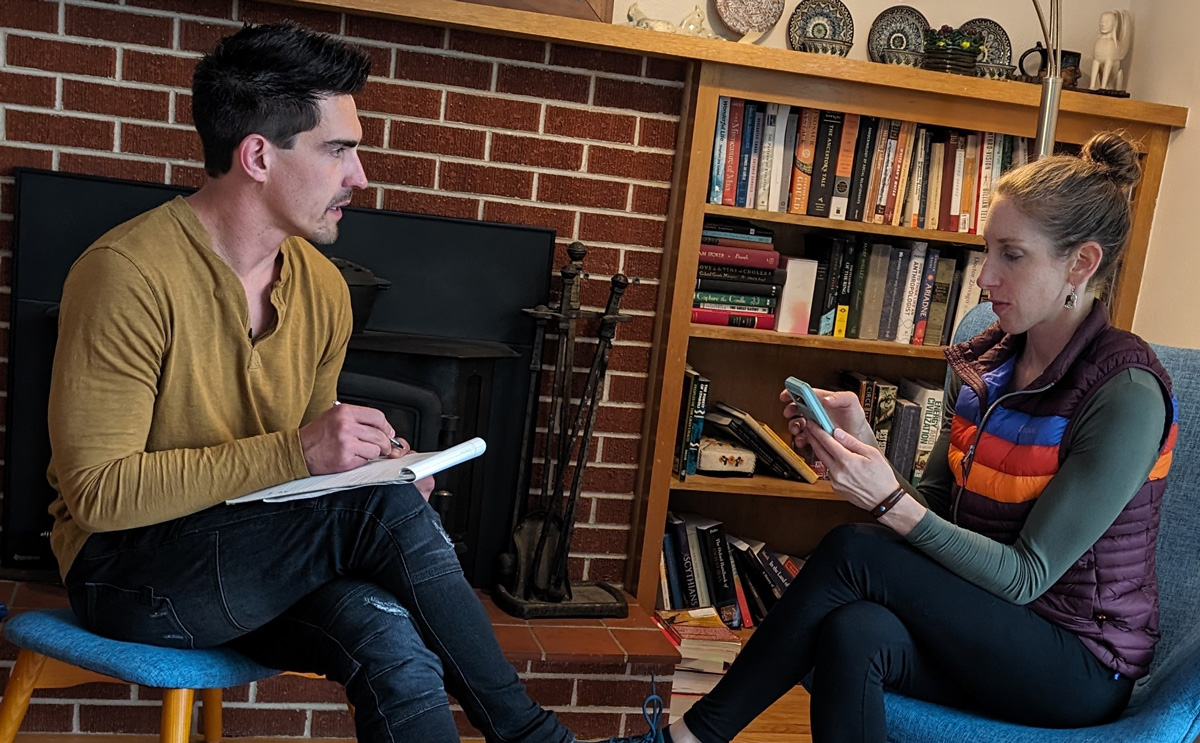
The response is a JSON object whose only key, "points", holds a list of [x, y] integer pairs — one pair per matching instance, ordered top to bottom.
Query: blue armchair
{"points": [[1165, 707]]}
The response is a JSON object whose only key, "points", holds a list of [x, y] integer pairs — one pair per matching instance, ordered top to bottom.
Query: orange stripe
{"points": [[1172, 435], [1161, 466], [1005, 488]]}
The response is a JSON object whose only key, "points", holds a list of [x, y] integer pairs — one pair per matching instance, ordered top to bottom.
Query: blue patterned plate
{"points": [[820, 19], [899, 28], [997, 49]]}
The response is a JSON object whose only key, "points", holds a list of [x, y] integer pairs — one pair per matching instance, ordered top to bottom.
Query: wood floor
{"points": [[785, 722]]}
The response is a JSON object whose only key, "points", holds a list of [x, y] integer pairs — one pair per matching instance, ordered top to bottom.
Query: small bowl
{"points": [[825, 46], [902, 57], [994, 71]]}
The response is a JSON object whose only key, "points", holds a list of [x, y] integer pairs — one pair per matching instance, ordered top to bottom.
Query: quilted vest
{"points": [[1005, 447]]}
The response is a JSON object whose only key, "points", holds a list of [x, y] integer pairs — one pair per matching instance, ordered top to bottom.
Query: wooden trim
{"points": [[588, 10], [509, 22], [866, 228], [1133, 263], [849, 345], [665, 380], [766, 487]]}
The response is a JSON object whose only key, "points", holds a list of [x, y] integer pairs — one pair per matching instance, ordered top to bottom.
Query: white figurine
{"points": [[639, 20], [692, 25], [1112, 46]]}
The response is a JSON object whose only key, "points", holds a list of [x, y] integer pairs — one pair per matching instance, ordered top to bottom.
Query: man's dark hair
{"points": [[268, 80]]}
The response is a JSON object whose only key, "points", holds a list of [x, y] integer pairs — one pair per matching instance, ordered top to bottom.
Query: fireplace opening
{"points": [[445, 352]]}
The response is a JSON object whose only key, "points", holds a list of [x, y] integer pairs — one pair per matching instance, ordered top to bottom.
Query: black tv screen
{"points": [[444, 278]]}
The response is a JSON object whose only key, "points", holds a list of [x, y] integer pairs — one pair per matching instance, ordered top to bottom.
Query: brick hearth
{"points": [[594, 673]]}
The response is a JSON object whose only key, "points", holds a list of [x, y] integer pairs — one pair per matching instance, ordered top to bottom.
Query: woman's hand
{"points": [[843, 408], [858, 471]]}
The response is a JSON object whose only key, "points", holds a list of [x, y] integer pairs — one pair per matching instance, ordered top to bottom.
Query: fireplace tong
{"points": [[534, 578]]}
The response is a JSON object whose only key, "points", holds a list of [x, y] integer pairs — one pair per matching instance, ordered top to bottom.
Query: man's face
{"points": [[315, 178]]}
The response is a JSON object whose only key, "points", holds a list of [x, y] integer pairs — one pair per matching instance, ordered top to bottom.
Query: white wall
{"points": [[1080, 19], [1166, 72]]}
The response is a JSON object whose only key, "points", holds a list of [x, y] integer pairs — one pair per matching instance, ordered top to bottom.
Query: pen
{"points": [[395, 442]]}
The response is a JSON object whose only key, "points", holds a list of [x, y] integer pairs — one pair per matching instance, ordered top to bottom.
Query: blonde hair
{"points": [[1080, 199]]}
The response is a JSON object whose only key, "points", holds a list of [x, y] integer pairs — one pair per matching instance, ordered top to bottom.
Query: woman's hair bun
{"points": [[1117, 154]]}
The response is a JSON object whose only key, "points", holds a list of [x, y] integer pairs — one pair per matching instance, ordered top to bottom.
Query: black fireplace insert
{"points": [[445, 352]]}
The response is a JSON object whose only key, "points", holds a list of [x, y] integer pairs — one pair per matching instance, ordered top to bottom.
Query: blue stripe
{"points": [[1013, 426]]}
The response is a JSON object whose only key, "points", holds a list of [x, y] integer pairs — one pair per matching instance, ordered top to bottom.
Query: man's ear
{"points": [[253, 155], [1085, 263]]}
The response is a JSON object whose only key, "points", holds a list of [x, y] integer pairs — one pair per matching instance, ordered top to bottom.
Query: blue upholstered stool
{"points": [[56, 651]]}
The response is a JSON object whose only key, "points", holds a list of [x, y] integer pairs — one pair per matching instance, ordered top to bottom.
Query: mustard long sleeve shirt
{"points": [[160, 404]]}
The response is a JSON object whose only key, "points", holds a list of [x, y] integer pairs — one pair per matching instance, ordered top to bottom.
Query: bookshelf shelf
{"points": [[938, 236], [851, 345], [771, 487]]}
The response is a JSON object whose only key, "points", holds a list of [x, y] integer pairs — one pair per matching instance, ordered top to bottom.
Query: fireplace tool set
{"points": [[533, 577]]}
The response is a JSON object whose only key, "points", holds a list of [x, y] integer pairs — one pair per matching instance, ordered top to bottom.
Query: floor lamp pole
{"points": [[1052, 82]]}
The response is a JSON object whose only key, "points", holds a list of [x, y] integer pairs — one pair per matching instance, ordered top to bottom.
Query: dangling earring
{"points": [[1072, 299]]}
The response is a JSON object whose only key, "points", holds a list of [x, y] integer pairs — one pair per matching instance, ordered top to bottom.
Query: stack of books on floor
{"points": [[738, 281], [851, 287], [712, 582]]}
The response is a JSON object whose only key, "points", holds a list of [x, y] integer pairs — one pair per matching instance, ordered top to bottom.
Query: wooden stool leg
{"points": [[21, 684], [210, 708], [176, 715]]}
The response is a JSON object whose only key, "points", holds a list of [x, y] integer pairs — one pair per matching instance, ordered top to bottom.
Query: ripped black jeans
{"points": [[362, 586]]}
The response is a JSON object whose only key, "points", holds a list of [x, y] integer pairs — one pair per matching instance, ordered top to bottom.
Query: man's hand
{"points": [[346, 436]]}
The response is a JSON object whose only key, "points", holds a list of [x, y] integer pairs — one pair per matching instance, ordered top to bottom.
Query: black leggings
{"points": [[870, 612]]}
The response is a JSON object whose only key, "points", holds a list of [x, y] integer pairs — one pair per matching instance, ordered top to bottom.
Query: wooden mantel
{"points": [[508, 22]]}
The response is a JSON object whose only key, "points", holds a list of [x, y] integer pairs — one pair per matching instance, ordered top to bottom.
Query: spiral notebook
{"points": [[408, 468]]}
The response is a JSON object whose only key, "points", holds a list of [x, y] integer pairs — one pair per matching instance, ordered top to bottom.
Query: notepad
{"points": [[408, 468]]}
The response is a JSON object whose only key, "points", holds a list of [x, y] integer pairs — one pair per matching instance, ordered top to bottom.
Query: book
{"points": [[737, 109], [749, 116], [760, 118], [829, 132], [890, 145], [766, 151], [781, 154], [788, 157], [802, 168], [860, 174], [716, 180], [871, 184], [933, 187], [970, 193], [839, 203], [740, 228], [708, 238], [726, 256], [741, 273], [733, 286], [845, 287], [832, 288], [858, 289], [969, 291], [893, 292], [873, 294], [910, 296], [925, 296], [743, 300], [939, 301], [725, 307], [732, 319], [928, 398], [687, 405], [699, 408], [884, 412], [721, 425], [902, 439], [781, 449], [725, 458], [406, 469], [677, 529], [698, 562], [718, 567], [779, 577], [763, 592], [675, 598], [743, 601], [700, 630]]}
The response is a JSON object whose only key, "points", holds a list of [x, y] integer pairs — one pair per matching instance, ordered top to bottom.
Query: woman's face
{"points": [[1027, 283]]}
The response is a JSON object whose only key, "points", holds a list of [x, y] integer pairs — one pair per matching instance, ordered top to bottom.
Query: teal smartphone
{"points": [[810, 407]]}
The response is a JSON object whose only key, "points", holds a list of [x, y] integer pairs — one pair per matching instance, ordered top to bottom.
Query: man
{"points": [[198, 355]]}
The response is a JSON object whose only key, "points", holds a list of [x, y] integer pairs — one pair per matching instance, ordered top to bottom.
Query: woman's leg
{"points": [[1009, 662]]}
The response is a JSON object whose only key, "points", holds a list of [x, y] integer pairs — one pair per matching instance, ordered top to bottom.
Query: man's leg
{"points": [[228, 570], [357, 634]]}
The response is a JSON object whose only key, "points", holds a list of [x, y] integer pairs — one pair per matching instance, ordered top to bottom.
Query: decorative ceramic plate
{"points": [[750, 16], [820, 19], [899, 28], [997, 49]]}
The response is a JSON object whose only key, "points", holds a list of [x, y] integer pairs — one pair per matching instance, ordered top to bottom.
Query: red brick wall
{"points": [[455, 123]]}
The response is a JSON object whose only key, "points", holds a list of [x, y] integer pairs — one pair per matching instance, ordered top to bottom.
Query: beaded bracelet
{"points": [[887, 503]]}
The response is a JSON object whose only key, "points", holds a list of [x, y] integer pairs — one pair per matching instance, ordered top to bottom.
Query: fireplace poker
{"points": [[557, 586]]}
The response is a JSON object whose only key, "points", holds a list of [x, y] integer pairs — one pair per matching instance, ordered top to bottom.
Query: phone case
{"points": [[810, 407]]}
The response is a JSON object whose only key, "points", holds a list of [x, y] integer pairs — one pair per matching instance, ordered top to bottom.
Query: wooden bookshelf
{"points": [[865, 228], [775, 338], [747, 367], [768, 487]]}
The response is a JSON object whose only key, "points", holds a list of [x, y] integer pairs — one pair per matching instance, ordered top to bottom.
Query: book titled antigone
{"points": [[406, 469]]}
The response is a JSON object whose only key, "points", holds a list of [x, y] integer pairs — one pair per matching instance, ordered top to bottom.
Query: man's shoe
{"points": [[652, 710]]}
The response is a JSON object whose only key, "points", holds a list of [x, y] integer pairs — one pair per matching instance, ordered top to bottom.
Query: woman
{"points": [[1018, 580]]}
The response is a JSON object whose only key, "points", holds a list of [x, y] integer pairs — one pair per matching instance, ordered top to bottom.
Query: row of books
{"points": [[776, 157], [858, 288], [726, 296], [906, 417], [702, 565], [706, 648]]}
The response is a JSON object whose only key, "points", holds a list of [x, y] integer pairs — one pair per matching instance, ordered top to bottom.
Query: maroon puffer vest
{"points": [[1109, 597]]}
